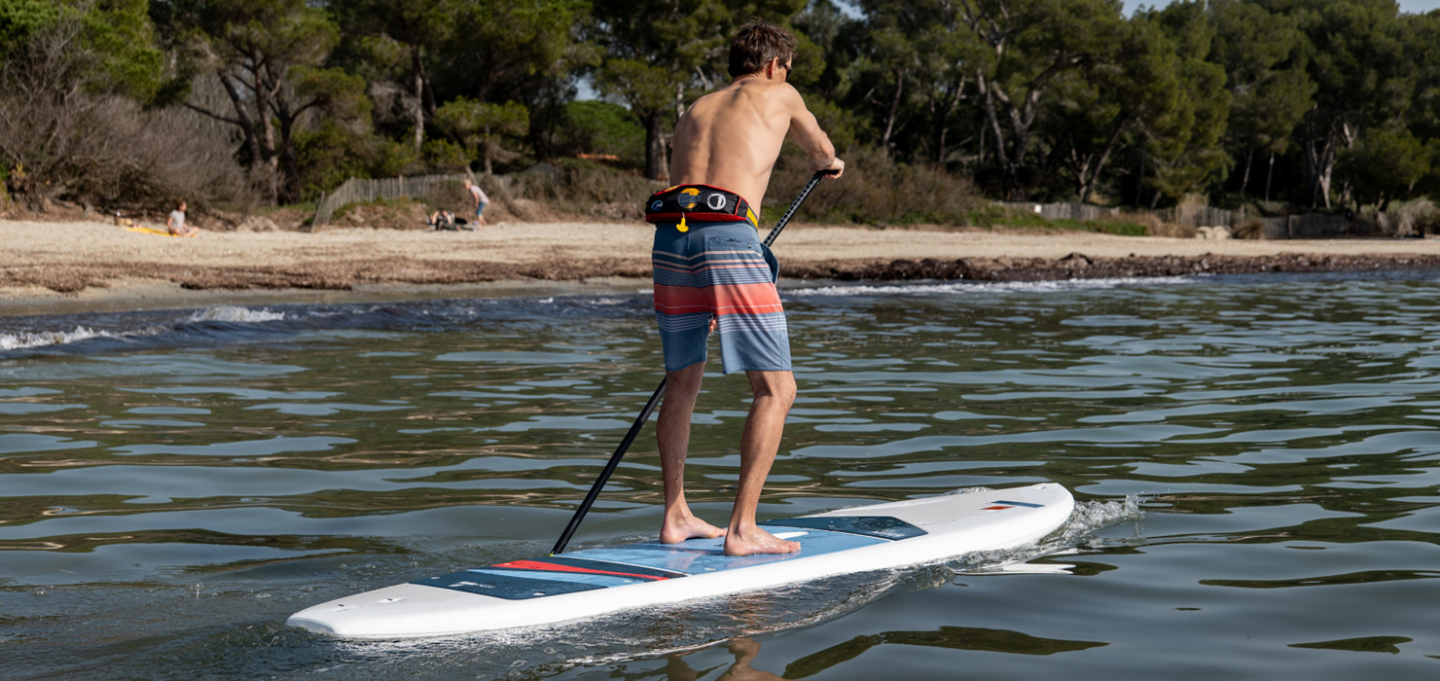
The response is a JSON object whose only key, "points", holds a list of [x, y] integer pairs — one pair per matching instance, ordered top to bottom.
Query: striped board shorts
{"points": [[724, 269]]}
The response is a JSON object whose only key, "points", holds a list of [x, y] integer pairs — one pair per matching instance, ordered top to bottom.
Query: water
{"points": [[1255, 461]]}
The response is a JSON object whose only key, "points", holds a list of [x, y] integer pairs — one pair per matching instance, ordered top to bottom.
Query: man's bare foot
{"points": [[674, 532], [757, 541]]}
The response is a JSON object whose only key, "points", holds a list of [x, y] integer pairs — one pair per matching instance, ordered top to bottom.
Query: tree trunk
{"points": [[894, 111], [419, 114], [942, 125], [486, 149], [269, 160], [1249, 160], [289, 161], [1320, 162], [656, 167], [1270, 173], [1087, 185]]}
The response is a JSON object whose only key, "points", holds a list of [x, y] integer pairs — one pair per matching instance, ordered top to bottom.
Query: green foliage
{"points": [[21, 19], [115, 41], [1336, 100], [483, 125], [596, 127], [331, 154], [445, 156], [1386, 163]]}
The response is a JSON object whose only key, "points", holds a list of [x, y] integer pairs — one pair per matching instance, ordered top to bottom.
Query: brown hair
{"points": [[756, 43]]}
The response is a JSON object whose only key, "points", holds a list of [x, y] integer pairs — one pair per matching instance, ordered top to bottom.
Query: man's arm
{"points": [[806, 132]]}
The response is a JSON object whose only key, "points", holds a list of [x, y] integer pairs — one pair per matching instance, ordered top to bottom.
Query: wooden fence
{"points": [[363, 191], [1307, 226]]}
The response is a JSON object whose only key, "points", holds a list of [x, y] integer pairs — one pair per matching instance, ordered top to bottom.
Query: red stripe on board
{"points": [[996, 508], [552, 567]]}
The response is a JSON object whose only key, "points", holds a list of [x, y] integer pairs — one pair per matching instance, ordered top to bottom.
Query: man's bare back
{"points": [[730, 138]]}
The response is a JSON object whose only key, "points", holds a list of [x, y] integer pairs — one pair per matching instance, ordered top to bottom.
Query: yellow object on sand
{"points": [[147, 230]]}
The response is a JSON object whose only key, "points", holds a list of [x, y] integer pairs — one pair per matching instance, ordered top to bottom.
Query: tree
{"points": [[413, 25], [1029, 44], [653, 50], [522, 51], [269, 57], [1355, 58], [70, 74], [1270, 91], [483, 125], [1183, 143], [1385, 164]]}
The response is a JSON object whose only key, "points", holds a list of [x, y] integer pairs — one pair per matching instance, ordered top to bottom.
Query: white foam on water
{"points": [[986, 286], [236, 314], [40, 339], [30, 340]]}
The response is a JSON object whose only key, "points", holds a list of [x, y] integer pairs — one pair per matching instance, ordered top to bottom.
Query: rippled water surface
{"points": [[1255, 461]]}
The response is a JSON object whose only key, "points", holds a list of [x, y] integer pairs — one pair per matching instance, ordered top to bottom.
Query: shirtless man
{"points": [[714, 272]]}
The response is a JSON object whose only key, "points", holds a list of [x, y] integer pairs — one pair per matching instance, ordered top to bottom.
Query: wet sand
{"points": [[66, 267]]}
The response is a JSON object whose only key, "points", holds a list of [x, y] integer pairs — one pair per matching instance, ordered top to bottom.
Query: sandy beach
{"points": [[51, 267]]}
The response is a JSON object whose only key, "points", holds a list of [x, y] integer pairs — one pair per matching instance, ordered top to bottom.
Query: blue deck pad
{"points": [[882, 526], [699, 556], [648, 561], [510, 585]]}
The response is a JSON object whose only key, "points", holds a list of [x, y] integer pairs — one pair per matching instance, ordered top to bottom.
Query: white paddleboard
{"points": [[591, 582]]}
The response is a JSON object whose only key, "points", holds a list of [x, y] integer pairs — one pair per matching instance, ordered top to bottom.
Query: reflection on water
{"points": [[1255, 460]]}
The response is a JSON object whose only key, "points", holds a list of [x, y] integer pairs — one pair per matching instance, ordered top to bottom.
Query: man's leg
{"points": [[682, 388], [774, 393]]}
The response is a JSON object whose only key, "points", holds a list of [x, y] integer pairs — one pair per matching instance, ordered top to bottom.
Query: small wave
{"points": [[986, 286], [235, 314], [40, 339]]}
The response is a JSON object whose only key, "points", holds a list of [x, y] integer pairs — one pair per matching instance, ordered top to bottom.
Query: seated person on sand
{"points": [[441, 219], [445, 220], [175, 224]]}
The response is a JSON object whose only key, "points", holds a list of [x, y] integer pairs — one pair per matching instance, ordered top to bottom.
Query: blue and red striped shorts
{"points": [[724, 269]]}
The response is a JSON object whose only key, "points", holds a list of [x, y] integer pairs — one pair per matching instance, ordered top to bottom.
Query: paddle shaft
{"points": [[644, 416]]}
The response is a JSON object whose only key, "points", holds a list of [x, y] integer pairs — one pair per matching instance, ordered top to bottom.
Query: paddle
{"points": [[660, 391]]}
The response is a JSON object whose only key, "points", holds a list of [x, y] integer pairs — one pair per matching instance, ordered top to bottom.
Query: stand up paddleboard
{"points": [[593, 582]]}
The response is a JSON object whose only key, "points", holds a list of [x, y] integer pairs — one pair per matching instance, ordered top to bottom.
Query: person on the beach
{"points": [[481, 200], [441, 219], [175, 224], [713, 272]]}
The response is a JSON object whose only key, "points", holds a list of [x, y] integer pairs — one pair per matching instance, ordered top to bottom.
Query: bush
{"points": [[596, 127], [89, 146], [876, 190]]}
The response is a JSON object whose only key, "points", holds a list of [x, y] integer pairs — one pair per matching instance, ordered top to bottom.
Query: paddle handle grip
{"points": [[660, 392]]}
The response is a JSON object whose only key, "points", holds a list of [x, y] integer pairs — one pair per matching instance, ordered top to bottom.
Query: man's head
{"points": [[756, 44], [467, 183]]}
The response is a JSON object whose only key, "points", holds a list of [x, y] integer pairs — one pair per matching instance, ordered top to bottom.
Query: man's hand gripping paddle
{"points": [[660, 391]]}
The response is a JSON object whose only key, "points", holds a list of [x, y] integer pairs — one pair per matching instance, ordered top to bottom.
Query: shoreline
{"points": [[58, 268]]}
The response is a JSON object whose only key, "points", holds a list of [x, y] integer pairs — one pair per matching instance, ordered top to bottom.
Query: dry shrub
{"points": [[104, 149], [576, 188], [876, 190], [402, 214], [1415, 218], [1153, 226], [1165, 229], [1250, 229]]}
